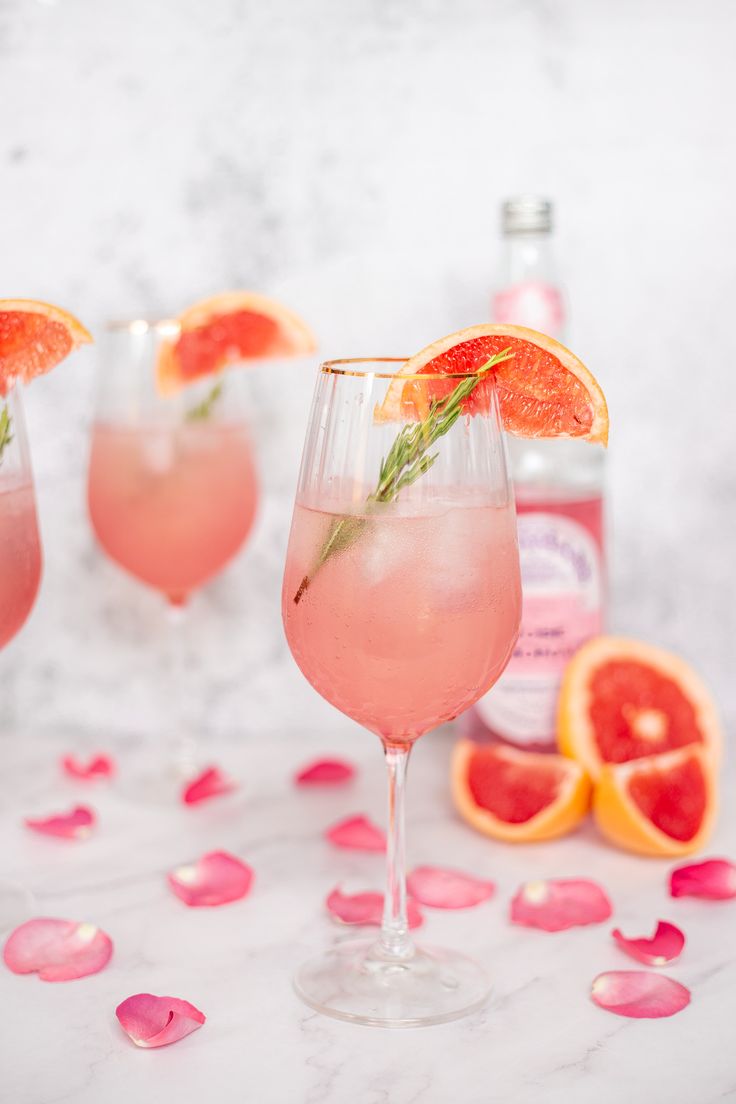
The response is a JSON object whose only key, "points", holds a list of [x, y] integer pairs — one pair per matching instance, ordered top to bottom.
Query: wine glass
{"points": [[172, 493], [20, 571], [401, 603]]}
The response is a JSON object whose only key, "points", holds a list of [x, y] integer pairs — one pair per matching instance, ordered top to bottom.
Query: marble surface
{"points": [[350, 157], [539, 1037]]}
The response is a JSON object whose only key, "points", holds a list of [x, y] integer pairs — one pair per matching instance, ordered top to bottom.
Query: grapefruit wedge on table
{"points": [[226, 329], [34, 337], [543, 389], [622, 699], [518, 796], [661, 805]]}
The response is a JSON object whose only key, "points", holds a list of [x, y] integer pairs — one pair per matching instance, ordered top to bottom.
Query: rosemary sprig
{"points": [[203, 409], [6, 430], [407, 460]]}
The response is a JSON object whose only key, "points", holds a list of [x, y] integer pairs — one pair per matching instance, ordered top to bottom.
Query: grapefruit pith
{"points": [[226, 329], [34, 337], [543, 390], [621, 699], [518, 796], [662, 805]]}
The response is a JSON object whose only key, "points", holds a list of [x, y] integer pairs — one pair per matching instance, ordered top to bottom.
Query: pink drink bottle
{"points": [[559, 501]]}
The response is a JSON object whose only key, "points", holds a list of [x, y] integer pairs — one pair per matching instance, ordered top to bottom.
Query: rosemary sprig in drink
{"points": [[203, 409], [6, 430], [407, 461]]}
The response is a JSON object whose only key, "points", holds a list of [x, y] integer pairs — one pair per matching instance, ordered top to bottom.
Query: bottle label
{"points": [[531, 303], [562, 608]]}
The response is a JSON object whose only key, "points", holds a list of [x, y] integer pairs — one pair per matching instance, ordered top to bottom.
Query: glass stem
{"points": [[181, 744], [395, 940]]}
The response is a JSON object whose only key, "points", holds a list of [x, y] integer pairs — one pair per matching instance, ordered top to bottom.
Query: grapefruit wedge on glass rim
{"points": [[229, 328], [34, 338], [543, 389], [621, 699], [518, 796], [662, 805]]}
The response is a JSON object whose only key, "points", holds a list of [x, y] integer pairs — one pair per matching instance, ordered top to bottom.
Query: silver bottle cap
{"points": [[526, 214]]}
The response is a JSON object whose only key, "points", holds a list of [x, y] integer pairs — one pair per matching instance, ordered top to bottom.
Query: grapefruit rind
{"points": [[75, 331], [295, 337], [390, 410], [575, 734], [558, 818], [623, 823]]}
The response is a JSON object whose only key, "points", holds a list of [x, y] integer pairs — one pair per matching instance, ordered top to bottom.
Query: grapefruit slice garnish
{"points": [[229, 328], [34, 337], [543, 390], [621, 699], [518, 796], [662, 805]]}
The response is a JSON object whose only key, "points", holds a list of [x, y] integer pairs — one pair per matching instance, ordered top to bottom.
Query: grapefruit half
{"points": [[229, 328], [34, 337], [543, 390], [621, 699], [518, 796], [663, 805]]}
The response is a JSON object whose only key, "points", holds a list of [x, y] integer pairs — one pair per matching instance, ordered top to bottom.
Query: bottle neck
{"points": [[528, 258]]}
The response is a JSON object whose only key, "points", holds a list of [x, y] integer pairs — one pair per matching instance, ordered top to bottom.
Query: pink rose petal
{"points": [[98, 766], [325, 772], [210, 783], [76, 824], [357, 833], [215, 879], [714, 879], [447, 889], [560, 903], [366, 908], [664, 946], [57, 950], [639, 994], [157, 1021]]}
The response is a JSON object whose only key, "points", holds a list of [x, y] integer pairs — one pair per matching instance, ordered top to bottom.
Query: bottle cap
{"points": [[526, 214]]}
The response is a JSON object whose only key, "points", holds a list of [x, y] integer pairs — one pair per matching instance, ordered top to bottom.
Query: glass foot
{"points": [[16, 905], [357, 981]]}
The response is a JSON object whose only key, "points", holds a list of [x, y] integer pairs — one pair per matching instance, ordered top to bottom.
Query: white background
{"points": [[350, 157]]}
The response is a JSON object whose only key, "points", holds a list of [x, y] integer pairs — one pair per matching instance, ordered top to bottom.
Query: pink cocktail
{"points": [[172, 505], [20, 554]]}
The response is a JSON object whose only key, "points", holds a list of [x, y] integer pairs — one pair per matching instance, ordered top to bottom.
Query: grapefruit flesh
{"points": [[227, 329], [34, 337], [543, 389], [622, 700], [518, 795], [662, 805]]}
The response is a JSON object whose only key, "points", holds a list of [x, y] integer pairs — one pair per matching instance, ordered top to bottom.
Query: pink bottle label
{"points": [[532, 304], [562, 608]]}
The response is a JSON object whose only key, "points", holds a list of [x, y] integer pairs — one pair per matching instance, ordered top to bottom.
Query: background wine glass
{"points": [[172, 489], [20, 572], [401, 609]]}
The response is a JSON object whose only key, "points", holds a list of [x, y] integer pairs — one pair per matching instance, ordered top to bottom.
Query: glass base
{"points": [[16, 905], [359, 982]]}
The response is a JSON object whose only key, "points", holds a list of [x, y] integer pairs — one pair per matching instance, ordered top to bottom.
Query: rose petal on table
{"points": [[97, 766], [325, 772], [210, 783], [76, 824], [357, 833], [216, 879], [713, 879], [442, 888], [560, 903], [366, 908], [664, 946], [57, 950], [639, 994], [152, 1021]]}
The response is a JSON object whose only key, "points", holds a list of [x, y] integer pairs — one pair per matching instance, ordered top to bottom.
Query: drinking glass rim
{"points": [[139, 325], [335, 368]]}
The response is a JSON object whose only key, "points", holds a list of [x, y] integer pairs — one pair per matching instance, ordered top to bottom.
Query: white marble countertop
{"points": [[539, 1037]]}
